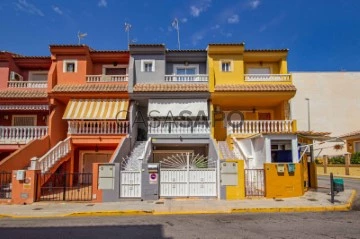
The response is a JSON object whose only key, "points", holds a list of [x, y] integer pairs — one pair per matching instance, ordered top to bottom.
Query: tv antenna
{"points": [[175, 24], [127, 29], [81, 36]]}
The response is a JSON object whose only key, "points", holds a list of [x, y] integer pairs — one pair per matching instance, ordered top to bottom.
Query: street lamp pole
{"points": [[308, 112]]}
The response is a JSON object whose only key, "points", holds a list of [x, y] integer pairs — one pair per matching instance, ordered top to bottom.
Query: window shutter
{"points": [[142, 66], [153, 66]]}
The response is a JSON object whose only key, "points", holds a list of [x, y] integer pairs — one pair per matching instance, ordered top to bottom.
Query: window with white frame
{"points": [[148, 65], [70, 66], [226, 66], [114, 70], [186, 70], [259, 70], [38, 76], [24, 120]]}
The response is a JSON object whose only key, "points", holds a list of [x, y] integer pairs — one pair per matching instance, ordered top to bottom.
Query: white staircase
{"points": [[137, 151], [225, 151], [46, 162]]}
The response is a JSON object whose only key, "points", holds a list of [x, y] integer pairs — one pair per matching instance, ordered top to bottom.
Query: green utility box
{"points": [[338, 184]]}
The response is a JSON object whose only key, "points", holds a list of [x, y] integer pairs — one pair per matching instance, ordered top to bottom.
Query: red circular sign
{"points": [[153, 176]]}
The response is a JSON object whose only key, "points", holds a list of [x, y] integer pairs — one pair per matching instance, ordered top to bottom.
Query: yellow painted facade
{"points": [[253, 104], [283, 185], [237, 192]]}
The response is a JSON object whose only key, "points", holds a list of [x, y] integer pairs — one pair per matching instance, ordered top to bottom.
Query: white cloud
{"points": [[102, 3], [254, 3], [24, 6], [199, 7], [57, 10], [195, 11], [233, 19], [184, 20]]}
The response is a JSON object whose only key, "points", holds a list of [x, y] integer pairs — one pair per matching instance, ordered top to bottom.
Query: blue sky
{"points": [[322, 35]]}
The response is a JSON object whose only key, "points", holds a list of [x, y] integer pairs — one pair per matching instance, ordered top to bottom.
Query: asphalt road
{"points": [[285, 225]]}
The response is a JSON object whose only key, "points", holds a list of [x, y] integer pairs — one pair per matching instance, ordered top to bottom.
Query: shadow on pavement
{"points": [[123, 231]]}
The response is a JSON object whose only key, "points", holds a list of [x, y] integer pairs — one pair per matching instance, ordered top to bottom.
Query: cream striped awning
{"points": [[96, 109]]}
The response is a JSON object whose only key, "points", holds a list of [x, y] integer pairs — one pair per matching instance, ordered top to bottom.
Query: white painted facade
{"points": [[334, 104]]}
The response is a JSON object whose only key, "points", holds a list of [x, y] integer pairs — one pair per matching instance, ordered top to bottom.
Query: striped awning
{"points": [[96, 109]]}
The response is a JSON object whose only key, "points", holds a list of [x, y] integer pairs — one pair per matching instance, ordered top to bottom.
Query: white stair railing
{"points": [[147, 151], [47, 161]]}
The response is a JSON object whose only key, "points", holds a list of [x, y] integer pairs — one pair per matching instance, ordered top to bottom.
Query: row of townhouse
{"points": [[151, 123]]}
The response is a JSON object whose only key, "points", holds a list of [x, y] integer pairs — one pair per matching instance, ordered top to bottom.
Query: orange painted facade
{"points": [[87, 63], [23, 103]]}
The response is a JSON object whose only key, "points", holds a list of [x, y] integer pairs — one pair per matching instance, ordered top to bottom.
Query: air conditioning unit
{"points": [[15, 76]]}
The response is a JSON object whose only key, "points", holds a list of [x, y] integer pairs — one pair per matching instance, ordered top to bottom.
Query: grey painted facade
{"points": [[146, 52]]}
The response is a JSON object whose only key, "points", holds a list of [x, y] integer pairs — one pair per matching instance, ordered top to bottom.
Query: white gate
{"points": [[188, 175], [130, 178]]}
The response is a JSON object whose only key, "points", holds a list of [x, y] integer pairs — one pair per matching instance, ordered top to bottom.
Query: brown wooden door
{"points": [[264, 116]]}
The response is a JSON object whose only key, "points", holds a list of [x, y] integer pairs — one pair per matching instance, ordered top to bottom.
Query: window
{"points": [[147, 65], [226, 65], [70, 66], [114, 70], [183, 70], [186, 70], [259, 70], [38, 76], [24, 120], [356, 147], [281, 151]]}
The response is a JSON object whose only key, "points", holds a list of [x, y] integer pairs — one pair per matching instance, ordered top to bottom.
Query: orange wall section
{"points": [[70, 78], [20, 159]]}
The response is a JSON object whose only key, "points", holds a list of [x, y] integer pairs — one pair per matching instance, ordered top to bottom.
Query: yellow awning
{"points": [[96, 109]]}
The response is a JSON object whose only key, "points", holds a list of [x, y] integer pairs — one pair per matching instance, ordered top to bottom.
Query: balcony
{"points": [[268, 77], [106, 78], [186, 78], [27, 84], [260, 126], [98, 127], [178, 127], [21, 134]]}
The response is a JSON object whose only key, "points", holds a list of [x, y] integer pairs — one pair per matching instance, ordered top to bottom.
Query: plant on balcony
{"points": [[355, 158], [337, 160]]}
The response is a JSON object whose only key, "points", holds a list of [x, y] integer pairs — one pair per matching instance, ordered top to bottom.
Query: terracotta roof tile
{"points": [[227, 44], [146, 45], [186, 50], [266, 50], [32, 57], [171, 87], [255, 87], [91, 88], [23, 94], [312, 133], [351, 134]]}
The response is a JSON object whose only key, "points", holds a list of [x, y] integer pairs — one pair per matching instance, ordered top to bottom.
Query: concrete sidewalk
{"points": [[312, 201]]}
